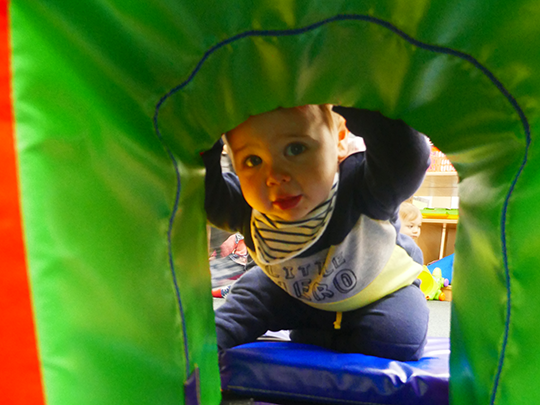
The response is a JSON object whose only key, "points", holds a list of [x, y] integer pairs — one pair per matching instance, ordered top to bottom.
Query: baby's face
{"points": [[286, 160], [412, 227]]}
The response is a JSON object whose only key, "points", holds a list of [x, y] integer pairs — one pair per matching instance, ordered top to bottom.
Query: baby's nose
{"points": [[277, 175]]}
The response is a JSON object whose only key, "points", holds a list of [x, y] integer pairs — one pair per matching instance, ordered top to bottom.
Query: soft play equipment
{"points": [[114, 100], [277, 371]]}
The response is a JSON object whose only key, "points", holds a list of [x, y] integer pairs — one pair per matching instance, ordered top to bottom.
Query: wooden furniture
{"points": [[437, 184], [438, 235], [437, 238]]}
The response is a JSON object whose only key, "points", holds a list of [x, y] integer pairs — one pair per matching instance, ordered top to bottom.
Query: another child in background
{"points": [[411, 220], [411, 225], [334, 268]]}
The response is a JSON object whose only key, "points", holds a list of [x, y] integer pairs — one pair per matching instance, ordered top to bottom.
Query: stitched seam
{"points": [[433, 48], [169, 240], [250, 390]]}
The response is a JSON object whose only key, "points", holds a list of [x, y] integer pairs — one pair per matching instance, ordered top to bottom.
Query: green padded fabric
{"points": [[114, 100]]}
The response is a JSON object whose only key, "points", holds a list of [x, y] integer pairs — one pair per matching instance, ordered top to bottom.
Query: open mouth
{"points": [[287, 203]]}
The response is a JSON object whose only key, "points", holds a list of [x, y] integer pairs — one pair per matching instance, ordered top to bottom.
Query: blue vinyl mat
{"points": [[286, 371]]}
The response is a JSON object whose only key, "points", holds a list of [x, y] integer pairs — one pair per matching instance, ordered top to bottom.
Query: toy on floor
{"points": [[446, 264], [433, 283], [221, 292]]}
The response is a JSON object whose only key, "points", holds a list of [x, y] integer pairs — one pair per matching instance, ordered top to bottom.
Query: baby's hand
{"points": [[360, 120], [355, 144]]}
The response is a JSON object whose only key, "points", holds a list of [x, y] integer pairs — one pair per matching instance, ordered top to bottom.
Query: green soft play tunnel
{"points": [[114, 100]]}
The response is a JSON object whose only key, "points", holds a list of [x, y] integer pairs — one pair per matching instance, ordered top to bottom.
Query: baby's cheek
{"points": [[256, 196]]}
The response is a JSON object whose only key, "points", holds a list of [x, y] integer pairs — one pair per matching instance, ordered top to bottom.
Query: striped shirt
{"points": [[276, 240]]}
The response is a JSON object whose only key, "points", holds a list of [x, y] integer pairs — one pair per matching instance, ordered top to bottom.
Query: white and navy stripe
{"points": [[276, 240]]}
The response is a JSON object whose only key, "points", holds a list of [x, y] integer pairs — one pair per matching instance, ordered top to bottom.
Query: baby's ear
{"points": [[343, 137]]}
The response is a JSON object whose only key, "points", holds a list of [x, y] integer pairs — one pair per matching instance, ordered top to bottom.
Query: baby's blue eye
{"points": [[294, 149], [252, 161]]}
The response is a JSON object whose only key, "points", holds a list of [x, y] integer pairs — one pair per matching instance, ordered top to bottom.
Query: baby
{"points": [[411, 220], [322, 225]]}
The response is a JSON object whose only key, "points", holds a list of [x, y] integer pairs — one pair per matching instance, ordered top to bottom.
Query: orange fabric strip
{"points": [[20, 378]]}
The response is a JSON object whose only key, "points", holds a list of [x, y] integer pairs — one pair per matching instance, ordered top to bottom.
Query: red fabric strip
{"points": [[20, 379]]}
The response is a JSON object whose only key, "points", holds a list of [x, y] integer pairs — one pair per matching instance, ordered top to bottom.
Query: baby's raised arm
{"points": [[396, 160], [224, 202]]}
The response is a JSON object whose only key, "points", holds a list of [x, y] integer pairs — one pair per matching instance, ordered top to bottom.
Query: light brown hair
{"points": [[409, 212]]}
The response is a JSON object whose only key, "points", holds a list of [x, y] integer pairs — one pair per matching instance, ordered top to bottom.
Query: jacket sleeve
{"points": [[396, 160], [224, 202]]}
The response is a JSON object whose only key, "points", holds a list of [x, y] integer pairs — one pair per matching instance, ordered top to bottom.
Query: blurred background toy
{"points": [[446, 265], [433, 284]]}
